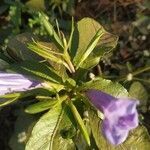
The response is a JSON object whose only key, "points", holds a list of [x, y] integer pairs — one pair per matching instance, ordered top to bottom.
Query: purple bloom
{"points": [[10, 82], [120, 115]]}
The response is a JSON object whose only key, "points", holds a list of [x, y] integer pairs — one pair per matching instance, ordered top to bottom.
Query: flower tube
{"points": [[11, 82], [120, 115]]}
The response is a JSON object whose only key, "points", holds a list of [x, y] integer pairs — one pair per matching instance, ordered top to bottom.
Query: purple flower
{"points": [[10, 82], [120, 115]]}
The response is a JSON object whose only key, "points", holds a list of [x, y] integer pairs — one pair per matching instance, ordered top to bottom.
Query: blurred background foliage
{"points": [[129, 64]]}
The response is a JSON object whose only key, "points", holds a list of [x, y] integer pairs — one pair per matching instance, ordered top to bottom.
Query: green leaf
{"points": [[36, 5], [85, 31], [71, 35], [55, 38], [17, 47], [45, 53], [48, 54], [5, 58], [81, 58], [3, 64], [59, 68], [38, 70], [70, 83], [104, 85], [42, 91], [138, 91], [13, 97], [9, 98], [44, 104], [41, 106], [66, 130], [43, 133], [138, 138], [79, 140]]}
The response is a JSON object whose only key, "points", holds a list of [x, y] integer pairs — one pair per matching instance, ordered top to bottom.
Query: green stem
{"points": [[69, 63], [71, 66], [141, 70], [134, 73], [138, 79], [80, 122]]}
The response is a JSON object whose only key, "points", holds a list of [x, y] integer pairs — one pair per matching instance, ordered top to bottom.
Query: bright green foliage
{"points": [[36, 5], [90, 33], [56, 39], [89, 49], [60, 66], [38, 70], [107, 86], [13, 97], [40, 106], [65, 132], [43, 133]]}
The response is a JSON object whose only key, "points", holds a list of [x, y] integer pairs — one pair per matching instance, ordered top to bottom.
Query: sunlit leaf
{"points": [[36, 5], [83, 34], [55, 38], [48, 54], [81, 58], [59, 68], [37, 70], [107, 86], [13, 97], [45, 103], [40, 106], [66, 130], [43, 132]]}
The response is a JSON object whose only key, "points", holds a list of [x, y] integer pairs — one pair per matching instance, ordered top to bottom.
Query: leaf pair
{"points": [[60, 42], [88, 42]]}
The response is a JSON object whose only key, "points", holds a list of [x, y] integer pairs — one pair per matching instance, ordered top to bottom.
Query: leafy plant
{"points": [[61, 82]]}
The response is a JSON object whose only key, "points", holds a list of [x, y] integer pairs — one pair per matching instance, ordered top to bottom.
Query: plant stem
{"points": [[141, 70], [135, 73], [138, 79], [80, 122]]}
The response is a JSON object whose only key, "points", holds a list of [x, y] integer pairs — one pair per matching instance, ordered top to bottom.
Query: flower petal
{"points": [[10, 82], [99, 99], [120, 115], [124, 115], [119, 121], [129, 121], [113, 134]]}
